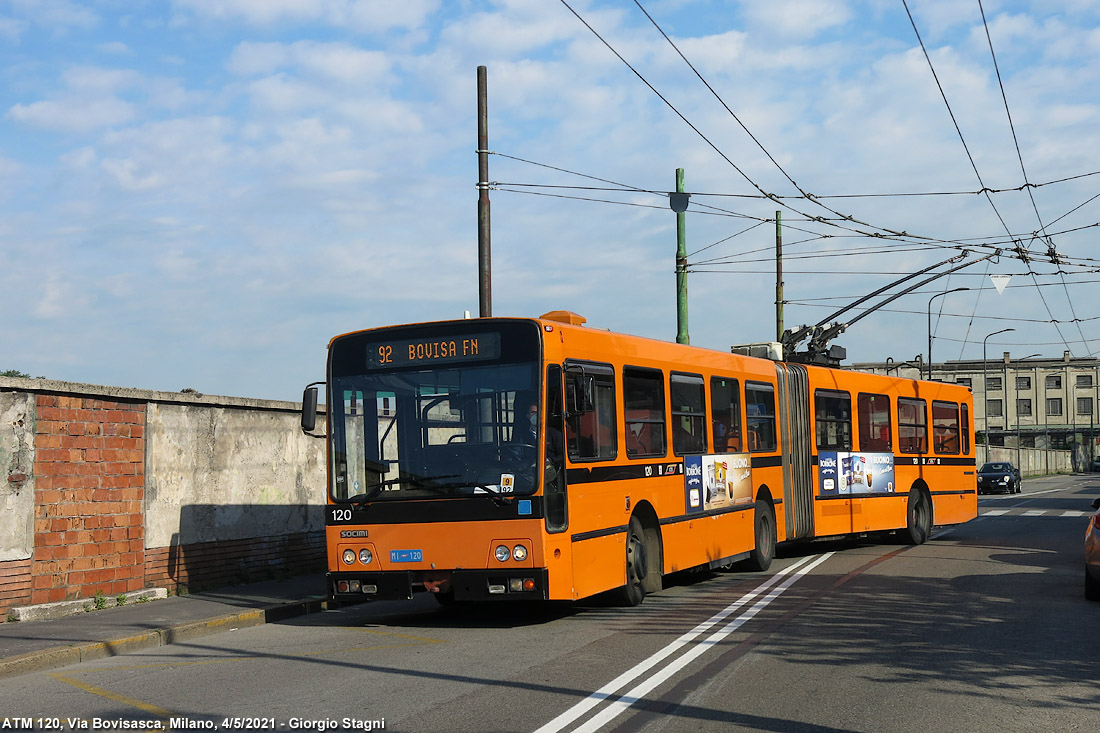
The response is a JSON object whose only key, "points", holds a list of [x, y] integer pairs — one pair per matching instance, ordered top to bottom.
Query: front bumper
{"points": [[995, 486], [466, 585]]}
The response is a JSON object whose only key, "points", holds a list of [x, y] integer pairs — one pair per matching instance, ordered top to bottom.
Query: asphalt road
{"points": [[983, 628]]}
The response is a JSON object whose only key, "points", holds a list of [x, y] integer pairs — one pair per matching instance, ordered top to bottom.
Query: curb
{"points": [[62, 656]]}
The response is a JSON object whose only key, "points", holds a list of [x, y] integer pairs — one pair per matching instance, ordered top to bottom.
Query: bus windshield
{"points": [[438, 432]]}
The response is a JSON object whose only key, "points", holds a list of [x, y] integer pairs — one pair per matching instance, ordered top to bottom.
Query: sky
{"points": [[201, 193]]}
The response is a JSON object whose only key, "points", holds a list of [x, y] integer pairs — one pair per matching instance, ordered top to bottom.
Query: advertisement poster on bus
{"points": [[841, 474], [717, 481]]}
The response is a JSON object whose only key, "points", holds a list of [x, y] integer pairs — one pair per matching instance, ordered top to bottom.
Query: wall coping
{"points": [[51, 386]]}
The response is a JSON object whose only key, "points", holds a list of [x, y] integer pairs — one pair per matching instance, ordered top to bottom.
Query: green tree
{"points": [[14, 373]]}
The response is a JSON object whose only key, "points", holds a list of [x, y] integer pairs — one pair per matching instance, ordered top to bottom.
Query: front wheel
{"points": [[918, 517], [760, 558], [637, 566], [1092, 587]]}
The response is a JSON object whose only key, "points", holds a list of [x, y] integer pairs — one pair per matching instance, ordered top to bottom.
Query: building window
{"points": [[1084, 380], [965, 381], [1054, 381], [1023, 382], [992, 384], [1084, 405], [1054, 406], [995, 408], [1023, 408], [1027, 441]]}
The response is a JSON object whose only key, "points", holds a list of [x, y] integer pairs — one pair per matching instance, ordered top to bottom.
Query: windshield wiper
{"points": [[420, 482], [492, 492]]}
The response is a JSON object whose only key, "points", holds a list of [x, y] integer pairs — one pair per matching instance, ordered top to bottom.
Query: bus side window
{"points": [[873, 411], [644, 412], [688, 414], [725, 415], [760, 416], [833, 420], [590, 423], [912, 426], [945, 427]]}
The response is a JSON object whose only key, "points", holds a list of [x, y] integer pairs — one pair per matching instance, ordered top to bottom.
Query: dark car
{"points": [[998, 478]]}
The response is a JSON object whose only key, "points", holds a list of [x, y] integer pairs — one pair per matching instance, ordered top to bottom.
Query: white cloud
{"points": [[56, 15], [366, 16], [797, 18], [341, 62], [73, 114]]}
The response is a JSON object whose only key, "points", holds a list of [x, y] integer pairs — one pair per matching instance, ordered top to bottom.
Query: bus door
{"points": [[796, 447]]}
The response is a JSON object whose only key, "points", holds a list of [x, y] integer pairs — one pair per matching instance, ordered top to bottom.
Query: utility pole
{"points": [[484, 260], [681, 260], [779, 276]]}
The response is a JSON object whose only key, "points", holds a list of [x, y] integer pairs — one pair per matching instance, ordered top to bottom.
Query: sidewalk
{"points": [[35, 646]]}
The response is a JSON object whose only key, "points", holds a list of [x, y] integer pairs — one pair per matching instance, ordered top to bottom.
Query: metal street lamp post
{"points": [[937, 295], [985, 392]]}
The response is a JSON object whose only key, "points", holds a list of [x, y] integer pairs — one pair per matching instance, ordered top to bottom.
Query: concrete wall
{"points": [[17, 429], [1032, 461], [109, 489]]}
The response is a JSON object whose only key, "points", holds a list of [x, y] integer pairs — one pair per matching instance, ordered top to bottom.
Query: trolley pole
{"points": [[484, 259], [681, 266], [779, 276]]}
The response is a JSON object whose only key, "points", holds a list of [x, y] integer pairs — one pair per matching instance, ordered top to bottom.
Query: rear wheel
{"points": [[918, 517], [760, 558], [637, 566], [1092, 587]]}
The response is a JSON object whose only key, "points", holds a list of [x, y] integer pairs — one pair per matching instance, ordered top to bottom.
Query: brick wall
{"points": [[112, 489], [89, 493], [235, 562], [15, 585]]}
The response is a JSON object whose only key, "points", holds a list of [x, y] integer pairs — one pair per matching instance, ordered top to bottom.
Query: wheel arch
{"points": [[651, 524]]}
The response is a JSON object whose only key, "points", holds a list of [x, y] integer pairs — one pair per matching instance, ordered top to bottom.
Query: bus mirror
{"points": [[580, 394], [309, 409]]}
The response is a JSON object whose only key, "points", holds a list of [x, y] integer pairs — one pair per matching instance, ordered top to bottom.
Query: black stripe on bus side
{"points": [[911, 460], [932, 461], [595, 474], [951, 492], [710, 513], [593, 534]]}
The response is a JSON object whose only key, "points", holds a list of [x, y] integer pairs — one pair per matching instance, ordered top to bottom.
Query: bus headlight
{"points": [[502, 553], [519, 553], [349, 557], [365, 557]]}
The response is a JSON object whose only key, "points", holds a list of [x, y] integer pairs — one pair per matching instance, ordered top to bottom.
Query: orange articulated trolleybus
{"points": [[519, 459]]}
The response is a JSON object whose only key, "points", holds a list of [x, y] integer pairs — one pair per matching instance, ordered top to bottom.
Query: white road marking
{"points": [[560, 722]]}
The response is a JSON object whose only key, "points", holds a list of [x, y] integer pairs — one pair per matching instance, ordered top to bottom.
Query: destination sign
{"points": [[429, 351]]}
